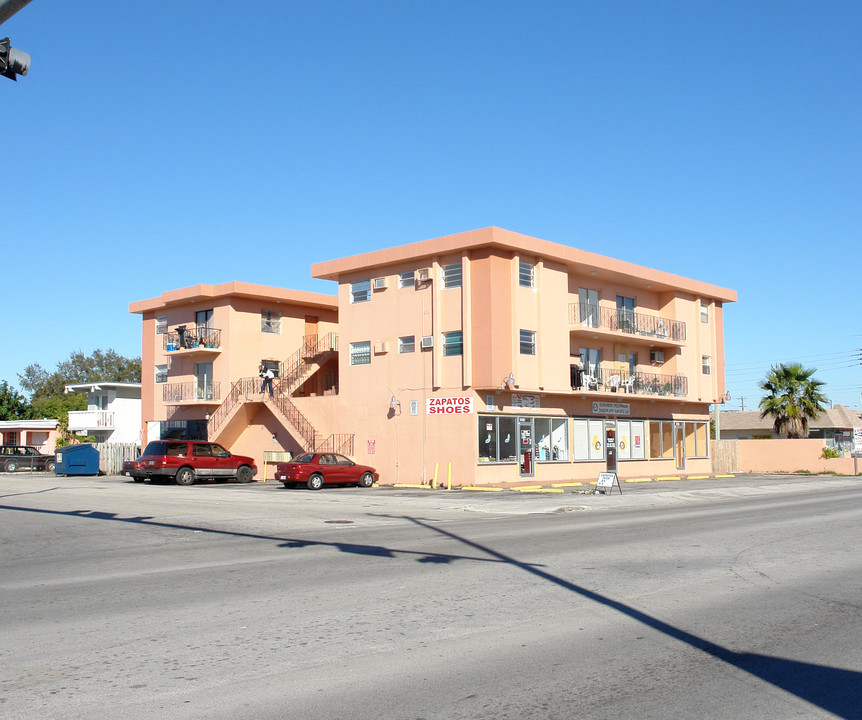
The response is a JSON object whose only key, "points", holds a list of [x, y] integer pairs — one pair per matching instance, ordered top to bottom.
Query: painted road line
{"points": [[669, 477], [635, 480], [482, 489], [538, 490]]}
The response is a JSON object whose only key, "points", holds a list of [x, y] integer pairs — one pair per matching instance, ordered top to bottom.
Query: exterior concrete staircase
{"points": [[293, 372]]}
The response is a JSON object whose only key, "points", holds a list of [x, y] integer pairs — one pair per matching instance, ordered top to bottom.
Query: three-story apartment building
{"points": [[499, 355]]}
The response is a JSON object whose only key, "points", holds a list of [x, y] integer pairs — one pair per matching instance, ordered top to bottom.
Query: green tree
{"points": [[102, 365], [793, 398], [13, 405]]}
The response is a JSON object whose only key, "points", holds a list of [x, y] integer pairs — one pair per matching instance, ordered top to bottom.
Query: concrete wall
{"points": [[781, 455]]}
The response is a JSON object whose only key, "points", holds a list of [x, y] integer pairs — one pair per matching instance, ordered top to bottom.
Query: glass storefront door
{"points": [[526, 444]]}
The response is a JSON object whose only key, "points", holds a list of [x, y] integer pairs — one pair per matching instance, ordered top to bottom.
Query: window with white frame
{"points": [[526, 274], [452, 275], [406, 280], [360, 291], [704, 311], [270, 322], [161, 325], [528, 342], [453, 343], [407, 344], [360, 353], [706, 364], [161, 373], [588, 439], [631, 441]]}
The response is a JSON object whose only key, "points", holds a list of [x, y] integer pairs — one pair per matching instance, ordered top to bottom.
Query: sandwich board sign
{"points": [[606, 481]]}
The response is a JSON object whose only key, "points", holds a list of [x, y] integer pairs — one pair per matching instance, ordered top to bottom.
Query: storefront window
{"points": [[497, 438], [552, 439]]}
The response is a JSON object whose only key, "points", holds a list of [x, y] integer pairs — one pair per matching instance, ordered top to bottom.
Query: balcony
{"points": [[614, 322], [192, 340], [639, 383], [190, 393], [87, 420]]}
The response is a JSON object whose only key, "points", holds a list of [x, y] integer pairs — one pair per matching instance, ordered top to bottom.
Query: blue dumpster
{"points": [[77, 460]]}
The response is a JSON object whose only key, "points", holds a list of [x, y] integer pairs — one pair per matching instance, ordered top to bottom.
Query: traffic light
{"points": [[13, 62]]}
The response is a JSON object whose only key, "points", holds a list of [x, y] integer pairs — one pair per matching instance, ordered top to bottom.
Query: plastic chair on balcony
{"points": [[590, 382], [614, 382], [629, 384]]}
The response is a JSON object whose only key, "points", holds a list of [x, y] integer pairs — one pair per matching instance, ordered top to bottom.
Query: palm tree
{"points": [[794, 398]]}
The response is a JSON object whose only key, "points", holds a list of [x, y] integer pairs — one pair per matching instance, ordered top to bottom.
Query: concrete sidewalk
{"points": [[657, 492]]}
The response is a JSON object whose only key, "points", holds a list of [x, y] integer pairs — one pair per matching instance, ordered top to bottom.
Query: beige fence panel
{"points": [[112, 456]]}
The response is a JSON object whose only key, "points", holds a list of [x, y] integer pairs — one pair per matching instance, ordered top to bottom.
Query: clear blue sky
{"points": [[156, 145]]}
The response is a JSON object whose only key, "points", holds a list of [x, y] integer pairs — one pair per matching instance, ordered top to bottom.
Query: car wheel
{"points": [[11, 466], [49, 466], [244, 474], [185, 476], [138, 479], [367, 480], [315, 482], [290, 485]]}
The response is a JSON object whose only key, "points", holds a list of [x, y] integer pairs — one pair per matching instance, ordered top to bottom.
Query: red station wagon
{"points": [[187, 460], [318, 469]]}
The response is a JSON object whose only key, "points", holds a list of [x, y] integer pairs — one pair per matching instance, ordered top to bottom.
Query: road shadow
{"points": [[835, 690]]}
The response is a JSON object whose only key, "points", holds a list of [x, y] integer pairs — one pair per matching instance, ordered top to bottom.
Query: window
{"points": [[526, 274], [452, 275], [405, 280], [360, 291], [588, 305], [704, 311], [626, 313], [204, 318], [270, 322], [161, 325], [528, 342], [453, 343], [407, 344], [360, 353], [591, 361], [706, 364], [271, 365], [161, 373], [497, 436], [552, 439], [588, 439], [660, 439], [631, 441]]}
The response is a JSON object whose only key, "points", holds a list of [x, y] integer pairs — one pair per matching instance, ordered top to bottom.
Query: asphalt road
{"points": [[704, 599]]}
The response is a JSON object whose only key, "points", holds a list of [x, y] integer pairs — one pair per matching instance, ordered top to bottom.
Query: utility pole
{"points": [[13, 62]]}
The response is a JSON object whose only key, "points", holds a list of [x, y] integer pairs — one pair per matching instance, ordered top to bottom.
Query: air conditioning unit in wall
{"points": [[424, 275], [379, 283], [427, 341], [381, 347], [656, 356]]}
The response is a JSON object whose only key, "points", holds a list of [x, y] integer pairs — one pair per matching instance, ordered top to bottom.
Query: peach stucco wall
{"points": [[784, 455]]}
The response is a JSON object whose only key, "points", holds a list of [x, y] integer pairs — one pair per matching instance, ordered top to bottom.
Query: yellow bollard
{"points": [[434, 481], [449, 481]]}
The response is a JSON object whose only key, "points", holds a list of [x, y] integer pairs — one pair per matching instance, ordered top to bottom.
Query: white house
{"points": [[113, 412]]}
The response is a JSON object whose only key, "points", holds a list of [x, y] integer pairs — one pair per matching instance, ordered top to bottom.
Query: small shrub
{"points": [[830, 452]]}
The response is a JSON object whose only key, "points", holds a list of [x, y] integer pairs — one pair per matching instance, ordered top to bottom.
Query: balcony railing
{"points": [[626, 321], [185, 337], [638, 383], [191, 392], [91, 420]]}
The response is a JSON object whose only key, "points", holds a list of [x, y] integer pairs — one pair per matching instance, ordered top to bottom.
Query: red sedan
{"points": [[319, 469]]}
